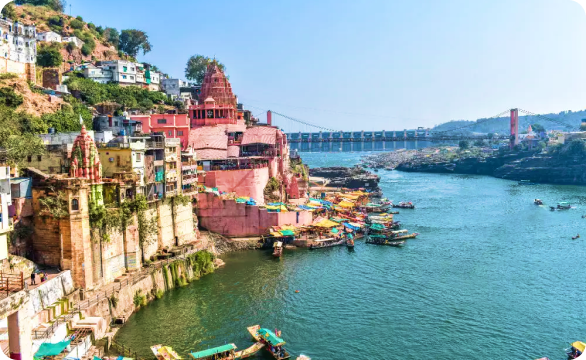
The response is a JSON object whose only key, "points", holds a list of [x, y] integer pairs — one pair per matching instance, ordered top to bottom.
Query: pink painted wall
{"points": [[174, 124], [249, 183], [231, 219]]}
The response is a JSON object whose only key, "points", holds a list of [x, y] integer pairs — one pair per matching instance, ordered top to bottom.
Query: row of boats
{"points": [[560, 206], [264, 339]]}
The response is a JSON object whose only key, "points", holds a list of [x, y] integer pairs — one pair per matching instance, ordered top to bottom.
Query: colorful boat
{"points": [[403, 205], [325, 243], [278, 249], [273, 343], [576, 351], [224, 352], [164, 353], [246, 353]]}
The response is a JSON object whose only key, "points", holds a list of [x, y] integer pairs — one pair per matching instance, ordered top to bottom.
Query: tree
{"points": [[57, 5], [9, 11], [76, 24], [112, 36], [132, 41], [86, 50], [49, 57], [197, 66], [10, 98], [538, 128], [490, 136], [479, 143], [464, 144], [576, 147]]}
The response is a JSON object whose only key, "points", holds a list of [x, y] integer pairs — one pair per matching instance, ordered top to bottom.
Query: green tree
{"points": [[57, 5], [9, 11], [76, 24], [112, 36], [132, 41], [70, 47], [86, 50], [49, 57], [197, 66], [10, 98], [538, 128], [479, 143], [464, 144], [576, 147]]}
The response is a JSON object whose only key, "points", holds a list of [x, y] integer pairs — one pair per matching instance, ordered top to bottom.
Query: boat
{"points": [[538, 202], [403, 205], [561, 206], [374, 208], [405, 237], [383, 240], [325, 243], [350, 244], [278, 249], [273, 343], [576, 351], [224, 352], [164, 353], [246, 353], [303, 357]]}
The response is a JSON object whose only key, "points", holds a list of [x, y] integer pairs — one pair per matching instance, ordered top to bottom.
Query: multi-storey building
{"points": [[49, 36], [18, 49], [123, 72], [102, 75], [172, 87], [172, 125], [172, 167], [189, 172], [5, 216]]}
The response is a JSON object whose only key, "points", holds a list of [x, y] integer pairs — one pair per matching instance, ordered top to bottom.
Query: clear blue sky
{"points": [[372, 64]]}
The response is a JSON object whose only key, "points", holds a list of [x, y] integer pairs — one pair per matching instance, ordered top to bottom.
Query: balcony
{"points": [[154, 145], [158, 162], [188, 166], [189, 181], [169, 193]]}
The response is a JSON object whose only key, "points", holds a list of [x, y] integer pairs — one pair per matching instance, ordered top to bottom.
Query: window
{"points": [[125, 69], [131, 69], [124, 76], [131, 77], [162, 121], [170, 133], [179, 133], [137, 157], [29, 158], [75, 205]]}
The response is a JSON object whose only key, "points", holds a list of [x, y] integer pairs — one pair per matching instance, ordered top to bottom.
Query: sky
{"points": [[371, 64]]}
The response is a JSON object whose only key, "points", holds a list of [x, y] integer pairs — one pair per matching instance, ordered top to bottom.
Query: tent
{"points": [[346, 204], [325, 223], [48, 349]]}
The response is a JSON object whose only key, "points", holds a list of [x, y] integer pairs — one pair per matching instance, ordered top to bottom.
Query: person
{"points": [[33, 278]]}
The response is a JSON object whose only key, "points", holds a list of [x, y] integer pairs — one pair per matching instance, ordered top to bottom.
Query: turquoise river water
{"points": [[492, 276]]}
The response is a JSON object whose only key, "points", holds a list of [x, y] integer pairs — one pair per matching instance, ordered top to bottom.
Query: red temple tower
{"points": [[217, 102], [85, 161]]}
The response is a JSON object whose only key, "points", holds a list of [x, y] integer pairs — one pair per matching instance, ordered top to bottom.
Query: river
{"points": [[492, 276]]}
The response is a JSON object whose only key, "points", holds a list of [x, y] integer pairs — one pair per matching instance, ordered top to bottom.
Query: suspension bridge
{"points": [[331, 140]]}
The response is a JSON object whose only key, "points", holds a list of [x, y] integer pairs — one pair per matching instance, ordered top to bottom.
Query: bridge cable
{"points": [[549, 119], [303, 122], [478, 122]]}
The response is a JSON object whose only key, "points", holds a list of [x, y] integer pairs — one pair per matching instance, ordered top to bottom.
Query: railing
{"points": [[154, 145], [269, 153], [188, 181], [11, 283], [126, 351]]}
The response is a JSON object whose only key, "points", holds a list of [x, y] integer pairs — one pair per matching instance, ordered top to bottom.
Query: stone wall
{"points": [[249, 183], [231, 219], [166, 224]]}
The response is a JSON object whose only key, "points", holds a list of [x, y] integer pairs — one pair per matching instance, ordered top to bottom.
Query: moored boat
{"points": [[538, 202], [404, 205], [383, 240], [325, 243], [350, 243], [277, 249], [273, 343], [576, 351], [224, 352], [164, 353], [246, 353]]}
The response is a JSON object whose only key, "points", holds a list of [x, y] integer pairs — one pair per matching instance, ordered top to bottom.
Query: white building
{"points": [[49, 36], [77, 41], [19, 43], [123, 72], [102, 75], [155, 84], [172, 87]]}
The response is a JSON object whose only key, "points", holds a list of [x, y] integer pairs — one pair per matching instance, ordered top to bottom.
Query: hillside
{"points": [[47, 19], [34, 103]]}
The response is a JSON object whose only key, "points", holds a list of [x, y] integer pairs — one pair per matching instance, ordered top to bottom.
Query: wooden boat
{"points": [[404, 205], [561, 206], [374, 208], [405, 237], [383, 240], [325, 243], [350, 243], [278, 249], [273, 343], [577, 351], [224, 352], [164, 353], [246, 353]]}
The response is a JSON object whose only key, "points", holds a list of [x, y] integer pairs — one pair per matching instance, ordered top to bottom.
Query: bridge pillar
{"points": [[514, 140]]}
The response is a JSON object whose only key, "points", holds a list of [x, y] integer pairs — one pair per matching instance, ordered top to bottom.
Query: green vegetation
{"points": [[57, 5], [9, 11], [132, 41], [49, 55], [197, 65], [130, 96], [10, 98], [464, 144], [54, 204], [202, 263], [139, 299], [113, 301]]}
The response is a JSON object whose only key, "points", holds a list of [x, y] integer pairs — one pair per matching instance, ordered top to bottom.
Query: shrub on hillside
{"points": [[76, 24], [86, 50], [49, 56], [10, 98]]}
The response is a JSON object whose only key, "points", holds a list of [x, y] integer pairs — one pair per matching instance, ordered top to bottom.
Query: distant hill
{"points": [[501, 125]]}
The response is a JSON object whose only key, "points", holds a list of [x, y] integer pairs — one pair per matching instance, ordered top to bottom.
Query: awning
{"points": [[346, 204], [325, 223], [350, 226], [287, 233], [270, 337], [579, 345], [48, 349], [213, 351]]}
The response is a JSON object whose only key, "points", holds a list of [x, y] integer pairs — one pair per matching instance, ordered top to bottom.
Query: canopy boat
{"points": [[538, 202], [403, 205], [561, 206], [374, 208], [405, 237], [383, 240], [324, 243], [350, 243], [278, 249], [273, 343], [576, 351], [225, 352], [164, 353], [246, 353]]}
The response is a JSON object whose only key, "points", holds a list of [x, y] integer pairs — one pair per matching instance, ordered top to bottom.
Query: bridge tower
{"points": [[514, 127]]}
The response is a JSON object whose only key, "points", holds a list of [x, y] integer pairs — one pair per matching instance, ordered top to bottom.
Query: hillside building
{"points": [[18, 49]]}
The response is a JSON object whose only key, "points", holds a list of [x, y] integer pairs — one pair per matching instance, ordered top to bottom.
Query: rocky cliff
{"points": [[351, 178]]}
